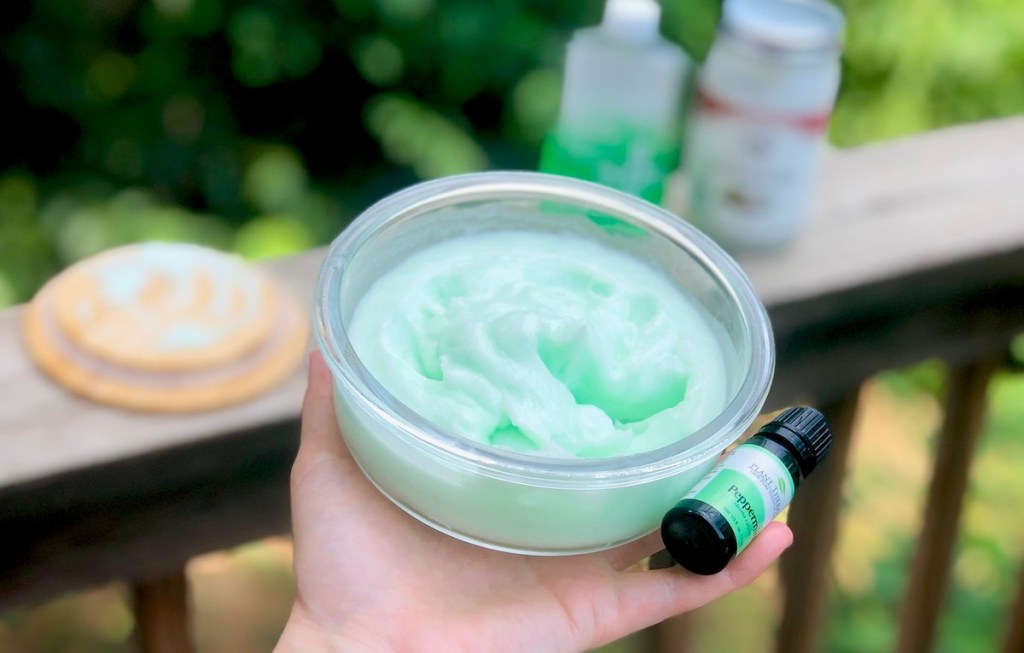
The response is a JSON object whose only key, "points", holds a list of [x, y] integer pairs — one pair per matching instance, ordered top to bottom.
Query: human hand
{"points": [[372, 578]]}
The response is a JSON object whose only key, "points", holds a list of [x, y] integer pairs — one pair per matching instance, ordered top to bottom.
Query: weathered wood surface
{"points": [[916, 249], [930, 569]]}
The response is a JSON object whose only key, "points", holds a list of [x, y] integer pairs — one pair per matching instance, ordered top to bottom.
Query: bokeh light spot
{"points": [[174, 8], [405, 10], [379, 60], [110, 75], [535, 102], [413, 134], [275, 180], [18, 197], [270, 236], [8, 295], [115, 622]]}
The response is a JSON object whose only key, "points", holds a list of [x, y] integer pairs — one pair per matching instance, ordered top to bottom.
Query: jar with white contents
{"points": [[764, 98]]}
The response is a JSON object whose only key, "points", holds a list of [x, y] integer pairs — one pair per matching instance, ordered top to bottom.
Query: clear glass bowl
{"points": [[518, 502]]}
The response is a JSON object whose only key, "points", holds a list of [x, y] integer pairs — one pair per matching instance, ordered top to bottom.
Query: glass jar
{"points": [[763, 102], [512, 501]]}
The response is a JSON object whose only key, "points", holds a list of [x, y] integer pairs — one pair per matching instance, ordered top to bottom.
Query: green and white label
{"points": [[750, 488]]}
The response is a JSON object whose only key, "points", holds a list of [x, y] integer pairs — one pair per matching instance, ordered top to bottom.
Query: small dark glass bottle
{"points": [[750, 487]]}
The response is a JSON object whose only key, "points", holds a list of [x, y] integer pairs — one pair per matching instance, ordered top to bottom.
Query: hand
{"points": [[371, 578]]}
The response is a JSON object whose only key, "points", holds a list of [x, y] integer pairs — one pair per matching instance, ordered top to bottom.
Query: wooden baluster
{"points": [[814, 518], [930, 567], [161, 614], [673, 635], [1014, 642]]}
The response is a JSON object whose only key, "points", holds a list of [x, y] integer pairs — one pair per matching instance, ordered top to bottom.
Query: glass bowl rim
{"points": [[424, 197]]}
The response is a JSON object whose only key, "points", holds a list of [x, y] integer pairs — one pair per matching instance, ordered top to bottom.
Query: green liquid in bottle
{"points": [[632, 161]]}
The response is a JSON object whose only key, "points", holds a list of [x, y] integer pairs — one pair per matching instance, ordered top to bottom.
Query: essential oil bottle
{"points": [[750, 487]]}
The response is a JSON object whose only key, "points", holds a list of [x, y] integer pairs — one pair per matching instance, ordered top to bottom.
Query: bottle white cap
{"points": [[635, 21], [806, 25]]}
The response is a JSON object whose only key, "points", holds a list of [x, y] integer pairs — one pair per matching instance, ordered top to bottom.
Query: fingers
{"points": [[319, 427], [761, 554], [652, 596]]}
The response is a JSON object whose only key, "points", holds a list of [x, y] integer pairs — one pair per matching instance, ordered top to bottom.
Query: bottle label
{"points": [[752, 174], [750, 488]]}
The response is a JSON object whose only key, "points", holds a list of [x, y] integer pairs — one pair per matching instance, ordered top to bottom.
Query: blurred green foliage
{"points": [[916, 65], [264, 125], [257, 126]]}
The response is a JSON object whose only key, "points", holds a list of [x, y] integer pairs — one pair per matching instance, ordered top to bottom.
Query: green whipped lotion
{"points": [[542, 343]]}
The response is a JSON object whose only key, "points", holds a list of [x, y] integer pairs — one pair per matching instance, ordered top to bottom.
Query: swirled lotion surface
{"points": [[546, 344]]}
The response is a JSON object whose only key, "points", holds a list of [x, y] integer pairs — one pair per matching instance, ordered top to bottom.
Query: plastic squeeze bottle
{"points": [[619, 119]]}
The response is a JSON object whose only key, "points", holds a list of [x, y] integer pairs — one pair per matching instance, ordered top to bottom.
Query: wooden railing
{"points": [[916, 250]]}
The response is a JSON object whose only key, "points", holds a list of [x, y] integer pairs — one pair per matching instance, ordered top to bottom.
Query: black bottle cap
{"points": [[806, 431], [698, 537]]}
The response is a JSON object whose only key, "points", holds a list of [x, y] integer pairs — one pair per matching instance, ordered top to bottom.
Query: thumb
{"points": [[320, 438], [649, 597]]}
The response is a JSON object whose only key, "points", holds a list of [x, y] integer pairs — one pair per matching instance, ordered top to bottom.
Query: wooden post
{"points": [[814, 518], [929, 570], [161, 615], [673, 635], [1014, 642]]}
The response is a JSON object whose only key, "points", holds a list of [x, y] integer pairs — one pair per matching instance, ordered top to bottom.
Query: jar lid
{"points": [[796, 26]]}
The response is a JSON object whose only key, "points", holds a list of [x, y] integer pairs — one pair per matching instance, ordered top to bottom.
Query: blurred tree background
{"points": [[264, 126]]}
